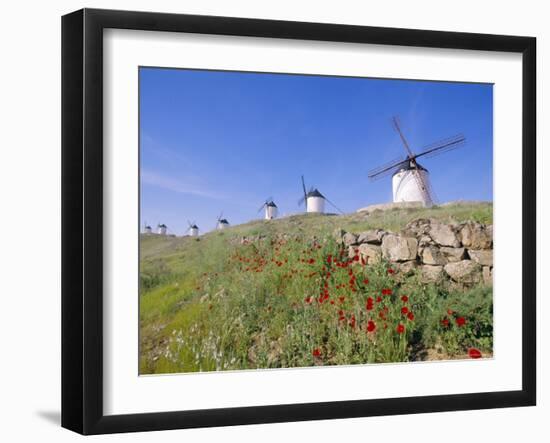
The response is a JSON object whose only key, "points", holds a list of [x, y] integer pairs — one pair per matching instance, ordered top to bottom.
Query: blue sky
{"points": [[214, 141]]}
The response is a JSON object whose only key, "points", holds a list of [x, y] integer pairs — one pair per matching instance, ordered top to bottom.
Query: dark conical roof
{"points": [[409, 166], [315, 193], [271, 204], [224, 221], [163, 226], [193, 226]]}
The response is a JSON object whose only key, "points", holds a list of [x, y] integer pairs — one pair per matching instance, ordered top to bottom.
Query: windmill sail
{"points": [[442, 146], [388, 169], [303, 199], [334, 206]]}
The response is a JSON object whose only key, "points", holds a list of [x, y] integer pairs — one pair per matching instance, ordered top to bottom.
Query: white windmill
{"points": [[410, 180], [314, 200], [271, 209], [222, 223], [148, 229], [161, 229], [193, 229]]}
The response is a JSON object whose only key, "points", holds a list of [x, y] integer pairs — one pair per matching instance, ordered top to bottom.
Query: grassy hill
{"points": [[213, 303]]}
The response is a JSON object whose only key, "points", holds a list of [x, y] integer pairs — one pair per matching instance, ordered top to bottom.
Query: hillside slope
{"points": [[216, 302]]}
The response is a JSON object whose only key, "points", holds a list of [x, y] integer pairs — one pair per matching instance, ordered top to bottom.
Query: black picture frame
{"points": [[82, 215]]}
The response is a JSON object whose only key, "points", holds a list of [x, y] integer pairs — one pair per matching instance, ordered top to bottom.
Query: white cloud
{"points": [[177, 185]]}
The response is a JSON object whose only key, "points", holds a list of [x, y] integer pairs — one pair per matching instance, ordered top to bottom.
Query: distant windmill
{"points": [[410, 180], [314, 200], [270, 209], [222, 223], [148, 229], [161, 229], [193, 229]]}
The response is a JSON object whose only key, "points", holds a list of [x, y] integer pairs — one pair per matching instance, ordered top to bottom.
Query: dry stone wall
{"points": [[461, 253]]}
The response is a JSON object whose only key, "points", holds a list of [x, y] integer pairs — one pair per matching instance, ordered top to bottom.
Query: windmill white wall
{"points": [[406, 187], [316, 204], [270, 212], [222, 225], [148, 230], [162, 230], [194, 232]]}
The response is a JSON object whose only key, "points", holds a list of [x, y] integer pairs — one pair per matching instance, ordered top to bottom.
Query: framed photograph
{"points": [[268, 221]]}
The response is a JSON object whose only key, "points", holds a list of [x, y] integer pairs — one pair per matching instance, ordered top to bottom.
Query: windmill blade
{"points": [[396, 126], [445, 145], [387, 164], [384, 171], [424, 187], [432, 193], [304, 198], [263, 206], [334, 206], [220, 216]]}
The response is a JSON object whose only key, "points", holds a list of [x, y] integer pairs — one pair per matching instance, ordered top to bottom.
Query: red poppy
{"points": [[329, 259], [311, 261], [390, 271], [366, 281], [386, 291], [404, 298], [378, 299], [308, 300], [369, 304], [404, 310], [450, 312], [410, 316], [352, 321], [460, 321], [445, 322], [371, 326], [400, 328], [316, 352], [474, 353]]}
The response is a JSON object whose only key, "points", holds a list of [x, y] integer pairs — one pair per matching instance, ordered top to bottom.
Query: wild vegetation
{"points": [[292, 297]]}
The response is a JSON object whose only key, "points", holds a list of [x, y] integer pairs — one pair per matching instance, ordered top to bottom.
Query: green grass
{"points": [[212, 303]]}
